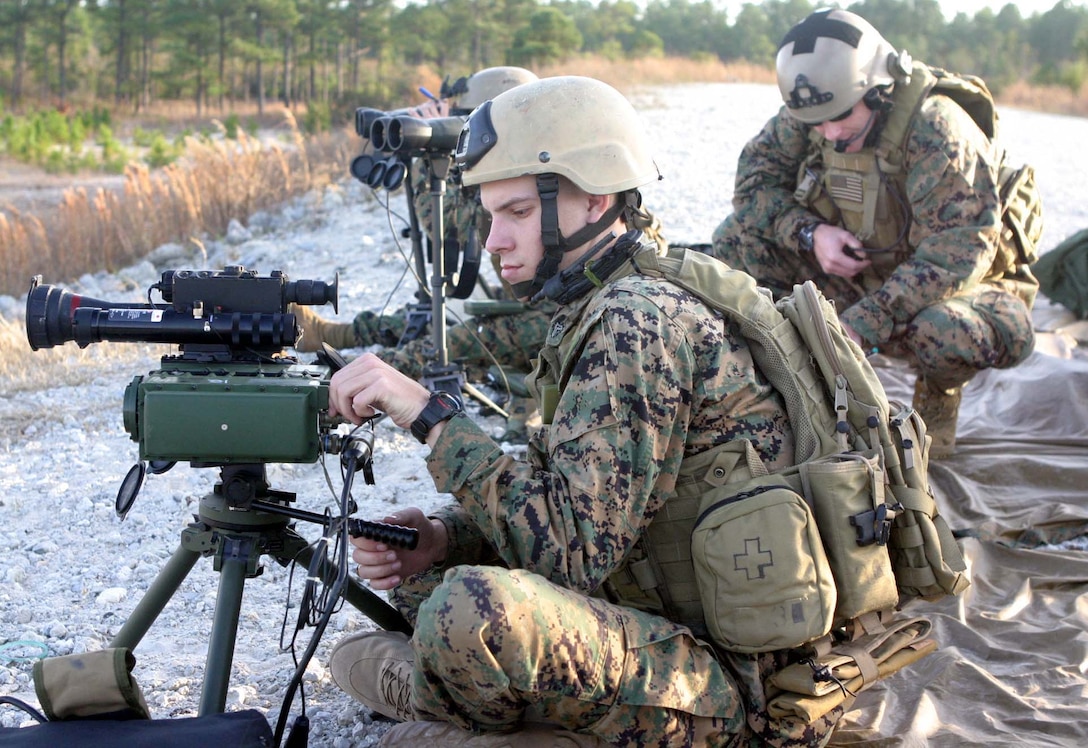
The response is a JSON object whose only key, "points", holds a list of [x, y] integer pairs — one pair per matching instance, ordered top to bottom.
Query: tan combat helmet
{"points": [[829, 61], [488, 83], [566, 126], [579, 128]]}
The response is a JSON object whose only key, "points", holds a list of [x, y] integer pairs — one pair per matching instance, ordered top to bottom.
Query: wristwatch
{"points": [[806, 236], [441, 407]]}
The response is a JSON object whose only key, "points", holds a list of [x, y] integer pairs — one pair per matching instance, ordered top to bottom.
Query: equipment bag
{"points": [[1063, 273], [856, 502], [92, 701], [244, 729]]}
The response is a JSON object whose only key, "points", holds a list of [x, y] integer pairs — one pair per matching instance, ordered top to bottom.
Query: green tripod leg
{"points": [[237, 554], [155, 599]]}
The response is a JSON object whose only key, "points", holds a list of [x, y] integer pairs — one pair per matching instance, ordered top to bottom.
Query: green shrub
{"points": [[318, 118], [230, 126], [160, 152]]}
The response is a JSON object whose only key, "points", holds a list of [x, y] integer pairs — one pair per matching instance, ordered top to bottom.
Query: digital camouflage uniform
{"points": [[946, 300], [514, 626]]}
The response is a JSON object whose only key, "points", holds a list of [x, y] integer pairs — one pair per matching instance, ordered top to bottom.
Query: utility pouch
{"points": [[1022, 212], [847, 495], [926, 559], [761, 569], [94, 683], [812, 687]]}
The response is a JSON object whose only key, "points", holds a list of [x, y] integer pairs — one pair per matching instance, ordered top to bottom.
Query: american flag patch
{"points": [[845, 187]]}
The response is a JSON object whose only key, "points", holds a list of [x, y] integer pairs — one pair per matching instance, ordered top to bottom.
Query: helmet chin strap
{"points": [[842, 145], [555, 244]]}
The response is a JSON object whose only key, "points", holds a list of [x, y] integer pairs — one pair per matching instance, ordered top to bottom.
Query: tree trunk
{"points": [[222, 59], [20, 66], [260, 68], [287, 70], [121, 71]]}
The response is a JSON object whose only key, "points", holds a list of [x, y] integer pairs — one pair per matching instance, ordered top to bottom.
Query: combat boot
{"points": [[317, 330], [940, 409], [375, 668], [448, 735]]}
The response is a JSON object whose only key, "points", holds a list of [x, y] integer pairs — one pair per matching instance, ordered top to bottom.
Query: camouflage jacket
{"points": [[947, 185], [649, 376]]}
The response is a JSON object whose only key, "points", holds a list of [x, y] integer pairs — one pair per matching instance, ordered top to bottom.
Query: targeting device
{"points": [[214, 402]]}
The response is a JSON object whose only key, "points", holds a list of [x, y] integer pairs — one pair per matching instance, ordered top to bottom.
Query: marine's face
{"points": [[854, 127], [514, 208]]}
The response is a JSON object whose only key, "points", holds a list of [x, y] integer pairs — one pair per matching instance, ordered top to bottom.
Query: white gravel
{"points": [[72, 571]]}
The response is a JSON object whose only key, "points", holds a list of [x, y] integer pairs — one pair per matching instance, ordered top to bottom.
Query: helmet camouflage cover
{"points": [[828, 62]]}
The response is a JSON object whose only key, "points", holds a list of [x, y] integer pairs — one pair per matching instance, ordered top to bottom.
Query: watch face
{"points": [[806, 236], [449, 401]]}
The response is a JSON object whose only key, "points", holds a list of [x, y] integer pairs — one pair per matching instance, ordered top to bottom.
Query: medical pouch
{"points": [[763, 575]]}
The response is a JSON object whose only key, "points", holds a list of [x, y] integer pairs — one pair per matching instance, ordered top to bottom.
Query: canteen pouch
{"points": [[847, 495], [761, 569], [93, 683]]}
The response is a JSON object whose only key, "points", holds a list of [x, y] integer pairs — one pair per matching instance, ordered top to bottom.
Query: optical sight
{"points": [[233, 308]]}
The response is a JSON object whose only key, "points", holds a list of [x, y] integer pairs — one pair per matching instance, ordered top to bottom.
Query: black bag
{"points": [[244, 729]]}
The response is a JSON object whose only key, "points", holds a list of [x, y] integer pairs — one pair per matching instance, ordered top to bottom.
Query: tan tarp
{"points": [[1012, 668]]}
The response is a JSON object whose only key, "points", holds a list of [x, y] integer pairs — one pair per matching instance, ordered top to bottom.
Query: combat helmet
{"points": [[828, 62], [486, 84], [565, 126]]}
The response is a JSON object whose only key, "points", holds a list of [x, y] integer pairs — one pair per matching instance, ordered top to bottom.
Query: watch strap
{"points": [[441, 407]]}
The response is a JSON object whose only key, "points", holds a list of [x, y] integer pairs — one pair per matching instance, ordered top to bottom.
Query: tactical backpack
{"points": [[1021, 203], [817, 556]]}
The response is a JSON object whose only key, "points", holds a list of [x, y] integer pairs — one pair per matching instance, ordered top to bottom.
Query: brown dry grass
{"points": [[1053, 99], [215, 181], [92, 229], [23, 369]]}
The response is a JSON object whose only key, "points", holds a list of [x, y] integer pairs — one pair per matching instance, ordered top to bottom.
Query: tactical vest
{"points": [[865, 192], [659, 575]]}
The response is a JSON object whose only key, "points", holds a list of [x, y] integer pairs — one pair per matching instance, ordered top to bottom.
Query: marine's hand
{"points": [[432, 109], [830, 243], [368, 385], [385, 567]]}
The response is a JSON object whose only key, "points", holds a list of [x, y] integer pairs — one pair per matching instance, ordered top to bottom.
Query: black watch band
{"points": [[806, 236], [441, 407]]}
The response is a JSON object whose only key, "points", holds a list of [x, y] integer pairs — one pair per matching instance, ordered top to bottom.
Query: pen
{"points": [[428, 94]]}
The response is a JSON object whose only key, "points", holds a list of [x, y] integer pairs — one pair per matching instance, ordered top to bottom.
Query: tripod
{"points": [[440, 374], [241, 519]]}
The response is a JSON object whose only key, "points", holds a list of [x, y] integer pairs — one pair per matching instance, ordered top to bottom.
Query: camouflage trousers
{"points": [[512, 340], [947, 343], [495, 647]]}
